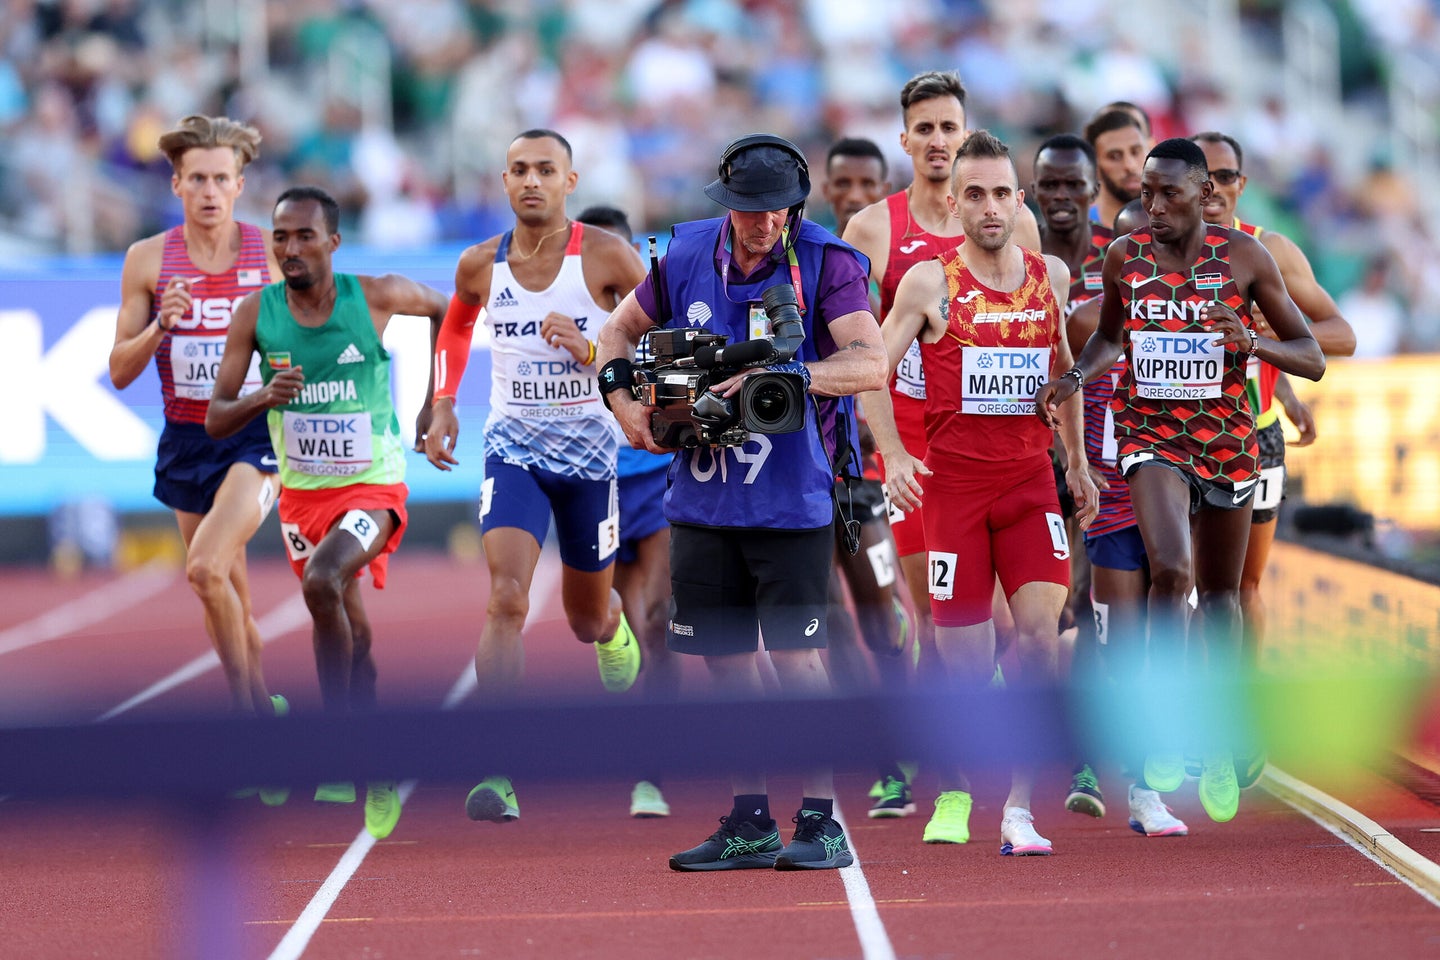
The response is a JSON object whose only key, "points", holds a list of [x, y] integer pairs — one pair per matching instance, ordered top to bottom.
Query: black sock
{"points": [[816, 805], [754, 807]]}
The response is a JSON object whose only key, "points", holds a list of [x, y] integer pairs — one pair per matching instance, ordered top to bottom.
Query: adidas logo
{"points": [[505, 299], [350, 355]]}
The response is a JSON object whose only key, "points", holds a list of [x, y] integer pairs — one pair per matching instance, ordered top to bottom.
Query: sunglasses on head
{"points": [[1225, 177]]}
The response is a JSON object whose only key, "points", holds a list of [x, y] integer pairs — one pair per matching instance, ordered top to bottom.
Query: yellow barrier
{"points": [[1379, 439]]}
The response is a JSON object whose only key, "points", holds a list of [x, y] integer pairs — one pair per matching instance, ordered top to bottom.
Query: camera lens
{"points": [[769, 404]]}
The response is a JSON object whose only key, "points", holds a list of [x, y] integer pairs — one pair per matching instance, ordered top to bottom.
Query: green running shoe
{"points": [[619, 658], [1164, 772], [1219, 790], [341, 792], [276, 796], [1085, 796], [493, 799], [896, 800], [646, 801], [382, 808], [951, 822]]}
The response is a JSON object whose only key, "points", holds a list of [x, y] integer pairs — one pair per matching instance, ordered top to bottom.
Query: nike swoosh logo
{"points": [[912, 246], [269, 461], [1241, 493]]}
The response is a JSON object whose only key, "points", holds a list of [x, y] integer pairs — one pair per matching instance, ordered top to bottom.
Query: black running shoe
{"points": [[818, 844], [737, 845]]}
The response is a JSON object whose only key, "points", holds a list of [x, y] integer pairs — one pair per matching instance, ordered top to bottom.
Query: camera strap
{"points": [[845, 459]]}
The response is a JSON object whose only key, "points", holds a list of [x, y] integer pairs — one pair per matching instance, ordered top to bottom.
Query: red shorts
{"points": [[307, 516], [982, 523], [909, 528]]}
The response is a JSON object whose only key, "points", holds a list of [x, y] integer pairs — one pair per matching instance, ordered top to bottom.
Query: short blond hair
{"points": [[201, 132]]}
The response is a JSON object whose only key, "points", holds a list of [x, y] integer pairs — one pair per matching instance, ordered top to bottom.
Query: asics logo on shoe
{"points": [[912, 246], [350, 355], [811, 627], [833, 845], [736, 847]]}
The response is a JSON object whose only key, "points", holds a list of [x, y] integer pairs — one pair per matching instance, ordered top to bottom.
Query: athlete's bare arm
{"points": [[869, 232], [612, 267], [1255, 270], [472, 289], [392, 295], [1331, 330], [136, 337], [1104, 345], [228, 411], [1070, 417]]}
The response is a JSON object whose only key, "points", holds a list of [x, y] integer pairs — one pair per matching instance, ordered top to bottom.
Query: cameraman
{"points": [[751, 539]]}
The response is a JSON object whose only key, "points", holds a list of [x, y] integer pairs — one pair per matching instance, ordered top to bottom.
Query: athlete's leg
{"points": [[1162, 507], [215, 550], [1220, 551], [511, 555], [915, 569], [872, 575], [326, 583], [644, 587], [1252, 604], [592, 605], [1037, 607], [846, 662], [363, 672]]}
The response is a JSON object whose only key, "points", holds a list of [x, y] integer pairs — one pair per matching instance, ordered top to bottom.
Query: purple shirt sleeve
{"points": [[844, 284]]}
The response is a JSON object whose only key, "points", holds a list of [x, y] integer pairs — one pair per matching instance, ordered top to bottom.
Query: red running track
{"points": [[576, 877]]}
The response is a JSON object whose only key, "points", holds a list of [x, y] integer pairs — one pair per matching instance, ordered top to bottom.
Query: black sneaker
{"points": [[1085, 796], [896, 799], [818, 844], [737, 845]]}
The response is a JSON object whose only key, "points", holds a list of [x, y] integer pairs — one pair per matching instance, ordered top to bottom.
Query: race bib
{"points": [[195, 361], [1177, 366], [909, 375], [1002, 380], [327, 444], [1271, 489], [296, 546], [942, 574]]}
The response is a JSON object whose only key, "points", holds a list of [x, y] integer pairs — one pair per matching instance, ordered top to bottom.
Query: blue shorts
{"points": [[190, 465], [642, 510], [586, 511], [1122, 549]]}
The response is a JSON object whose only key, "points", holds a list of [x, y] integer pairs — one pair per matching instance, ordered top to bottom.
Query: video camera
{"points": [[686, 362]]}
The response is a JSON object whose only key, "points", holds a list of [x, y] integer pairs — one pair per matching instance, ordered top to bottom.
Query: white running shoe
{"points": [[1149, 815], [1018, 837]]}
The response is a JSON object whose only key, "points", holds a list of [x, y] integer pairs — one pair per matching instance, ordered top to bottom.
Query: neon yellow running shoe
{"points": [[619, 658], [1165, 771], [1219, 790], [341, 792], [276, 796], [493, 799], [647, 802], [382, 808], [951, 822]]}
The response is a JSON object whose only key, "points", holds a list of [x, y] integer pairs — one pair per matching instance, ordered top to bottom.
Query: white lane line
{"points": [[99, 604], [289, 616], [297, 938], [874, 941]]}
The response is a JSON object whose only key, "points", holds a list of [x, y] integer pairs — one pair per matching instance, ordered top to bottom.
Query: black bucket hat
{"points": [[761, 172]]}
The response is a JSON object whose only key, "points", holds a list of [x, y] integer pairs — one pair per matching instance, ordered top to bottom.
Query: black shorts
{"points": [[1271, 440], [1203, 493], [866, 497], [731, 584]]}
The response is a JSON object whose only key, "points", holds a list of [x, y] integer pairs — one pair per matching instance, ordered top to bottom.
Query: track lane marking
{"points": [[99, 604], [874, 941]]}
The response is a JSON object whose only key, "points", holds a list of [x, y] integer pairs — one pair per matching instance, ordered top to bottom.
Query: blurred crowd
{"points": [[403, 108]]}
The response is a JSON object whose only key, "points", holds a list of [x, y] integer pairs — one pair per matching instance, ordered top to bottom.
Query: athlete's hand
{"points": [[175, 302], [1219, 318], [562, 333], [283, 387], [1048, 398], [1299, 414], [422, 426], [441, 434], [1096, 477], [902, 478], [1085, 495]]}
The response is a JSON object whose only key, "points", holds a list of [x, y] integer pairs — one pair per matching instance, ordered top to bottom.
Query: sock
{"points": [[816, 805], [754, 807]]}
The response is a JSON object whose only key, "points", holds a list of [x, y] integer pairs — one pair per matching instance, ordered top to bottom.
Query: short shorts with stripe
{"points": [[1271, 440], [190, 465], [1214, 494], [642, 510], [586, 512], [308, 516], [985, 522], [1122, 549], [730, 585]]}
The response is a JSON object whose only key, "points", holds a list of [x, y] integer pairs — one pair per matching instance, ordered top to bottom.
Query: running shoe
{"points": [[902, 632], [619, 658], [997, 680], [908, 769], [1249, 769], [1164, 771], [877, 789], [1219, 790], [340, 792], [276, 796], [1085, 796], [493, 799], [896, 800], [646, 801], [382, 808], [1149, 815], [951, 820], [1018, 837], [818, 844], [737, 845]]}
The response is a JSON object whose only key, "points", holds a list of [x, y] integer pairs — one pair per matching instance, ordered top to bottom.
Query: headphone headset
{"points": [[763, 140]]}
